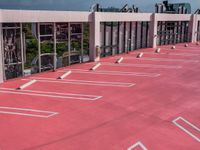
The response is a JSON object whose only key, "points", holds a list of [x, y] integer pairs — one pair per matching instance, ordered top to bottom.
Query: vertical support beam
{"points": [[193, 28], [153, 31], [198, 31], [160, 32], [181, 32], [141, 34], [147, 34], [174, 34], [136, 35], [118, 36], [130, 36], [166, 36], [94, 37], [104, 38], [124, 38], [111, 39], [82, 41], [69, 43], [39, 47], [54, 47], [22, 48], [1, 55]]}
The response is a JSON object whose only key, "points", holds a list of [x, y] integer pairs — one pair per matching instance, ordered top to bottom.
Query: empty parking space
{"points": [[84, 82], [49, 94], [145, 103], [26, 112], [187, 127], [136, 146]]}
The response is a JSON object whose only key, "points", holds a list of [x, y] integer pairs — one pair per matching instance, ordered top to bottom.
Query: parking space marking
{"points": [[180, 49], [172, 53], [161, 59], [144, 65], [116, 73], [83, 82], [50, 94], [27, 112], [185, 130], [136, 145]]}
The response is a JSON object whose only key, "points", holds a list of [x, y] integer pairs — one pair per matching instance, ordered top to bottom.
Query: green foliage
{"points": [[86, 39], [47, 46], [61, 48], [31, 51]]}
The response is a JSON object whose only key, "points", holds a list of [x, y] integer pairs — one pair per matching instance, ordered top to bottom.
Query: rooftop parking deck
{"points": [[149, 103]]}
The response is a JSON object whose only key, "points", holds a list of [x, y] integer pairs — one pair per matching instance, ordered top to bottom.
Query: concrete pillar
{"points": [[193, 28], [153, 31], [94, 36], [1, 54]]}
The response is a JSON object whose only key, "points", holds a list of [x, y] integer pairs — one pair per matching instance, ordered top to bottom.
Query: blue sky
{"points": [[144, 5]]}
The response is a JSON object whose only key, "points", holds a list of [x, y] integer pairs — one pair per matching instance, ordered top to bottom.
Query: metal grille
{"points": [[198, 31], [172, 32], [121, 37], [12, 50]]}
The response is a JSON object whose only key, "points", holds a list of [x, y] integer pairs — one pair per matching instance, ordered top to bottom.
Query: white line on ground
{"points": [[181, 49], [173, 53], [163, 59], [145, 65], [119, 73], [84, 82], [26, 84], [50, 94], [10, 110], [185, 130], [136, 145]]}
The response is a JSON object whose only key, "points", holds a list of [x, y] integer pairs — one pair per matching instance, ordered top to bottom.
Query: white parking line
{"points": [[181, 49], [173, 53], [162, 59], [144, 65], [117, 73], [83, 82], [50, 94], [27, 112], [185, 130], [136, 145]]}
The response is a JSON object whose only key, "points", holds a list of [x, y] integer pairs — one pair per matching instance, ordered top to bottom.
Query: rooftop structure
{"points": [[173, 8], [126, 9], [66, 38], [109, 79]]}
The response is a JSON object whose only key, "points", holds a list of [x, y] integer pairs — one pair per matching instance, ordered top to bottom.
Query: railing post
{"points": [[193, 28], [153, 31], [94, 36], [1, 55]]}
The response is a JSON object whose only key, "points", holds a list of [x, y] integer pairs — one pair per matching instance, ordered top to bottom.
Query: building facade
{"points": [[63, 32]]}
